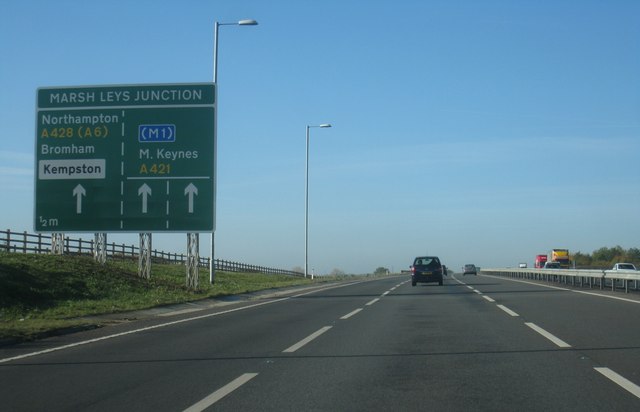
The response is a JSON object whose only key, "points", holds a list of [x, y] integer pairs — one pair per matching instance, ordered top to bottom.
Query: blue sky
{"points": [[483, 132]]}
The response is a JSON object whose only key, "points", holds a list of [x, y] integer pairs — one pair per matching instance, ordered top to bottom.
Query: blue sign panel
{"points": [[152, 133]]}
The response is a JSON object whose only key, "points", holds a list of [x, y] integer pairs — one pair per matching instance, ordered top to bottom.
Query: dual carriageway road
{"points": [[476, 343]]}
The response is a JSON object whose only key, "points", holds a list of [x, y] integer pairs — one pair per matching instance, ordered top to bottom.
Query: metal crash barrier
{"points": [[576, 277]]}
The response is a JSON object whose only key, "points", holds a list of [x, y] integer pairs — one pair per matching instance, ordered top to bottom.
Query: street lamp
{"points": [[246, 22], [306, 203]]}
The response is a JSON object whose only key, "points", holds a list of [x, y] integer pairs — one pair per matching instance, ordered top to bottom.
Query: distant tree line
{"points": [[605, 257]]}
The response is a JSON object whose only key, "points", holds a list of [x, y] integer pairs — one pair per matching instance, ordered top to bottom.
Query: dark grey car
{"points": [[426, 269]]}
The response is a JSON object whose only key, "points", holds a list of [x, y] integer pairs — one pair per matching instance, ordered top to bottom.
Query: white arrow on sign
{"points": [[79, 191], [145, 191], [190, 191]]}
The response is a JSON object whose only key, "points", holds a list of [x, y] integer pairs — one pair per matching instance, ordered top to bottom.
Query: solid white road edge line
{"points": [[565, 289], [509, 311], [348, 315], [162, 325], [307, 340], [86, 342], [559, 342], [620, 380], [221, 393]]}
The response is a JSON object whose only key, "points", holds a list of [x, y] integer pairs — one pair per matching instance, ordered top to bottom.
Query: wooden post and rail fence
{"points": [[24, 242]]}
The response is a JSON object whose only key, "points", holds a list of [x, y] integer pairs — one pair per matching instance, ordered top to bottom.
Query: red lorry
{"points": [[540, 261]]}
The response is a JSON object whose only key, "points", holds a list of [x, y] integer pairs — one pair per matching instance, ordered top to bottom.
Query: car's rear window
{"points": [[426, 262]]}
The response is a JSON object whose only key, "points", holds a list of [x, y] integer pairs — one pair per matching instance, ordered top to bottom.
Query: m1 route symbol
{"points": [[127, 158]]}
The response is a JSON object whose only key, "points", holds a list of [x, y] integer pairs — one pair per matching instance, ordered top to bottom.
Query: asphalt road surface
{"points": [[477, 343]]}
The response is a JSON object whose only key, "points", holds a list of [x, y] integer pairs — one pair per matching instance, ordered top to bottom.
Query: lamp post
{"points": [[247, 22], [306, 204]]}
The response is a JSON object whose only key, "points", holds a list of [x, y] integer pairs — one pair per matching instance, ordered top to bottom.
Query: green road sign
{"points": [[131, 158]]}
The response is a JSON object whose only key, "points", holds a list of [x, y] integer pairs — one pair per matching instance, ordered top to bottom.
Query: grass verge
{"points": [[42, 294]]}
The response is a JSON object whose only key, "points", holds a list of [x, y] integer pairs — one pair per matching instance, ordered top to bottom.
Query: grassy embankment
{"points": [[40, 294]]}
